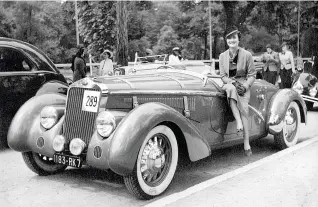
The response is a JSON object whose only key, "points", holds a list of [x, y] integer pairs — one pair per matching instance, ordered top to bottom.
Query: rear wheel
{"points": [[289, 135], [156, 164], [42, 165]]}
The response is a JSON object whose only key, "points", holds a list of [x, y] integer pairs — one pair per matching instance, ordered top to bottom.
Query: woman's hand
{"points": [[241, 90]]}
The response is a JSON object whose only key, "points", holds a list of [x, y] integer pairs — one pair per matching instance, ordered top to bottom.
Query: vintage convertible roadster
{"points": [[139, 126]]}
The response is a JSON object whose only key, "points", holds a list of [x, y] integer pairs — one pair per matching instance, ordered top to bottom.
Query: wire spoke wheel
{"points": [[289, 135], [156, 159], [156, 164]]}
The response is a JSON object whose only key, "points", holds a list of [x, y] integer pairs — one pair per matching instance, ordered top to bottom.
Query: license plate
{"points": [[91, 101], [67, 160]]}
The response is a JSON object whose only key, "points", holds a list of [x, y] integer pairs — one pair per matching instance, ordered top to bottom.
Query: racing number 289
{"points": [[91, 101]]}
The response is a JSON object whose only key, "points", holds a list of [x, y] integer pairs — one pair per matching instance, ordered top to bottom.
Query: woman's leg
{"points": [[283, 78], [289, 78], [236, 114], [246, 133]]}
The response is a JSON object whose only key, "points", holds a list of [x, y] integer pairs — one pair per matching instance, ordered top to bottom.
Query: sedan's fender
{"points": [[53, 87], [278, 107], [26, 122], [130, 133]]}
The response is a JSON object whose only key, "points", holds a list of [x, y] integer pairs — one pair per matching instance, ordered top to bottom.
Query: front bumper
{"points": [[96, 154]]}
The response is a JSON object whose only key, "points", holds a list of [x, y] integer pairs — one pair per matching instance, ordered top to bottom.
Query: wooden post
{"points": [[76, 22], [298, 28]]}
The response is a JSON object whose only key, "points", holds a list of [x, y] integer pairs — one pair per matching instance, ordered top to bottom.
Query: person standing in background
{"points": [[175, 58], [78, 64], [106, 66], [271, 67], [287, 68]]}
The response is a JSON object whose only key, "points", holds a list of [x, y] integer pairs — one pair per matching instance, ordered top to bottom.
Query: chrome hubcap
{"points": [[290, 124], [155, 160]]}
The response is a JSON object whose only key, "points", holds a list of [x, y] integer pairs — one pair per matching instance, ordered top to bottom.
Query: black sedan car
{"points": [[24, 72]]}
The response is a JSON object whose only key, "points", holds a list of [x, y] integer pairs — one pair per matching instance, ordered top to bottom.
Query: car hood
{"points": [[156, 81]]}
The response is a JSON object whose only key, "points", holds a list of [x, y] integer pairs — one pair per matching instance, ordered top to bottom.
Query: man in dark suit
{"points": [[271, 65]]}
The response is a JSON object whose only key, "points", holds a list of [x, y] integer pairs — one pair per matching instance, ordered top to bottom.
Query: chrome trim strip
{"points": [[8, 73], [126, 81], [181, 84], [169, 92], [309, 98], [186, 107], [257, 112]]}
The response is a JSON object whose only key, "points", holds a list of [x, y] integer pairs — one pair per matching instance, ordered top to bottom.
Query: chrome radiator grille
{"points": [[78, 123]]}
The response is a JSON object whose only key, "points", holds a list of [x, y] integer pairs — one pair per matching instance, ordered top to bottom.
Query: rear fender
{"points": [[53, 87], [278, 107], [26, 122], [130, 133]]}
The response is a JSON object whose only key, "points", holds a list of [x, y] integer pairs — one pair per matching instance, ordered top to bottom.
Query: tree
{"points": [[236, 14], [7, 24], [96, 24], [122, 34], [168, 39], [138, 45]]}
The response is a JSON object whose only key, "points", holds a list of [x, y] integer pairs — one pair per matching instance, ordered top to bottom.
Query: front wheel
{"points": [[289, 135], [156, 164], [41, 165]]}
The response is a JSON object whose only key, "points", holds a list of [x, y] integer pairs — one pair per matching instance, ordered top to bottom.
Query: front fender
{"points": [[53, 87], [278, 107], [26, 123], [130, 134]]}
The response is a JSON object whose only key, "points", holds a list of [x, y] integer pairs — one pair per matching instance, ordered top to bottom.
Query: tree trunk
{"points": [[229, 7], [29, 30], [122, 34], [214, 41], [205, 47]]}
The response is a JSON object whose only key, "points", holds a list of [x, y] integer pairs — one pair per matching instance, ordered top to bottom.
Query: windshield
{"points": [[152, 59]]}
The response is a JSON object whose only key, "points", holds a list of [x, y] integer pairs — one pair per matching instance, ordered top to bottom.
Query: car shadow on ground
{"points": [[188, 173]]}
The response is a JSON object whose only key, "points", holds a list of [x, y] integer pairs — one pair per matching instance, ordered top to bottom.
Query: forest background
{"points": [[155, 27]]}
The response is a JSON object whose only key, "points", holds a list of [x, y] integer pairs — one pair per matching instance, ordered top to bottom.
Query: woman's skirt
{"points": [[241, 101]]}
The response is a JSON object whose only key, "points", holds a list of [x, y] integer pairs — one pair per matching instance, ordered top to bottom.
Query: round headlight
{"points": [[48, 117], [105, 123], [58, 143], [77, 146]]}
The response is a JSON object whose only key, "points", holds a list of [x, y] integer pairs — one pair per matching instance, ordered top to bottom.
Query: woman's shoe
{"points": [[239, 132], [248, 152]]}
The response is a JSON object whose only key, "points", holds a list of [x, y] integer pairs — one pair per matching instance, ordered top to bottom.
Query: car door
{"points": [[19, 79]]}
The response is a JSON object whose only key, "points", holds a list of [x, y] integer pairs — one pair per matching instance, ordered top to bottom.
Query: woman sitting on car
{"points": [[238, 73]]}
